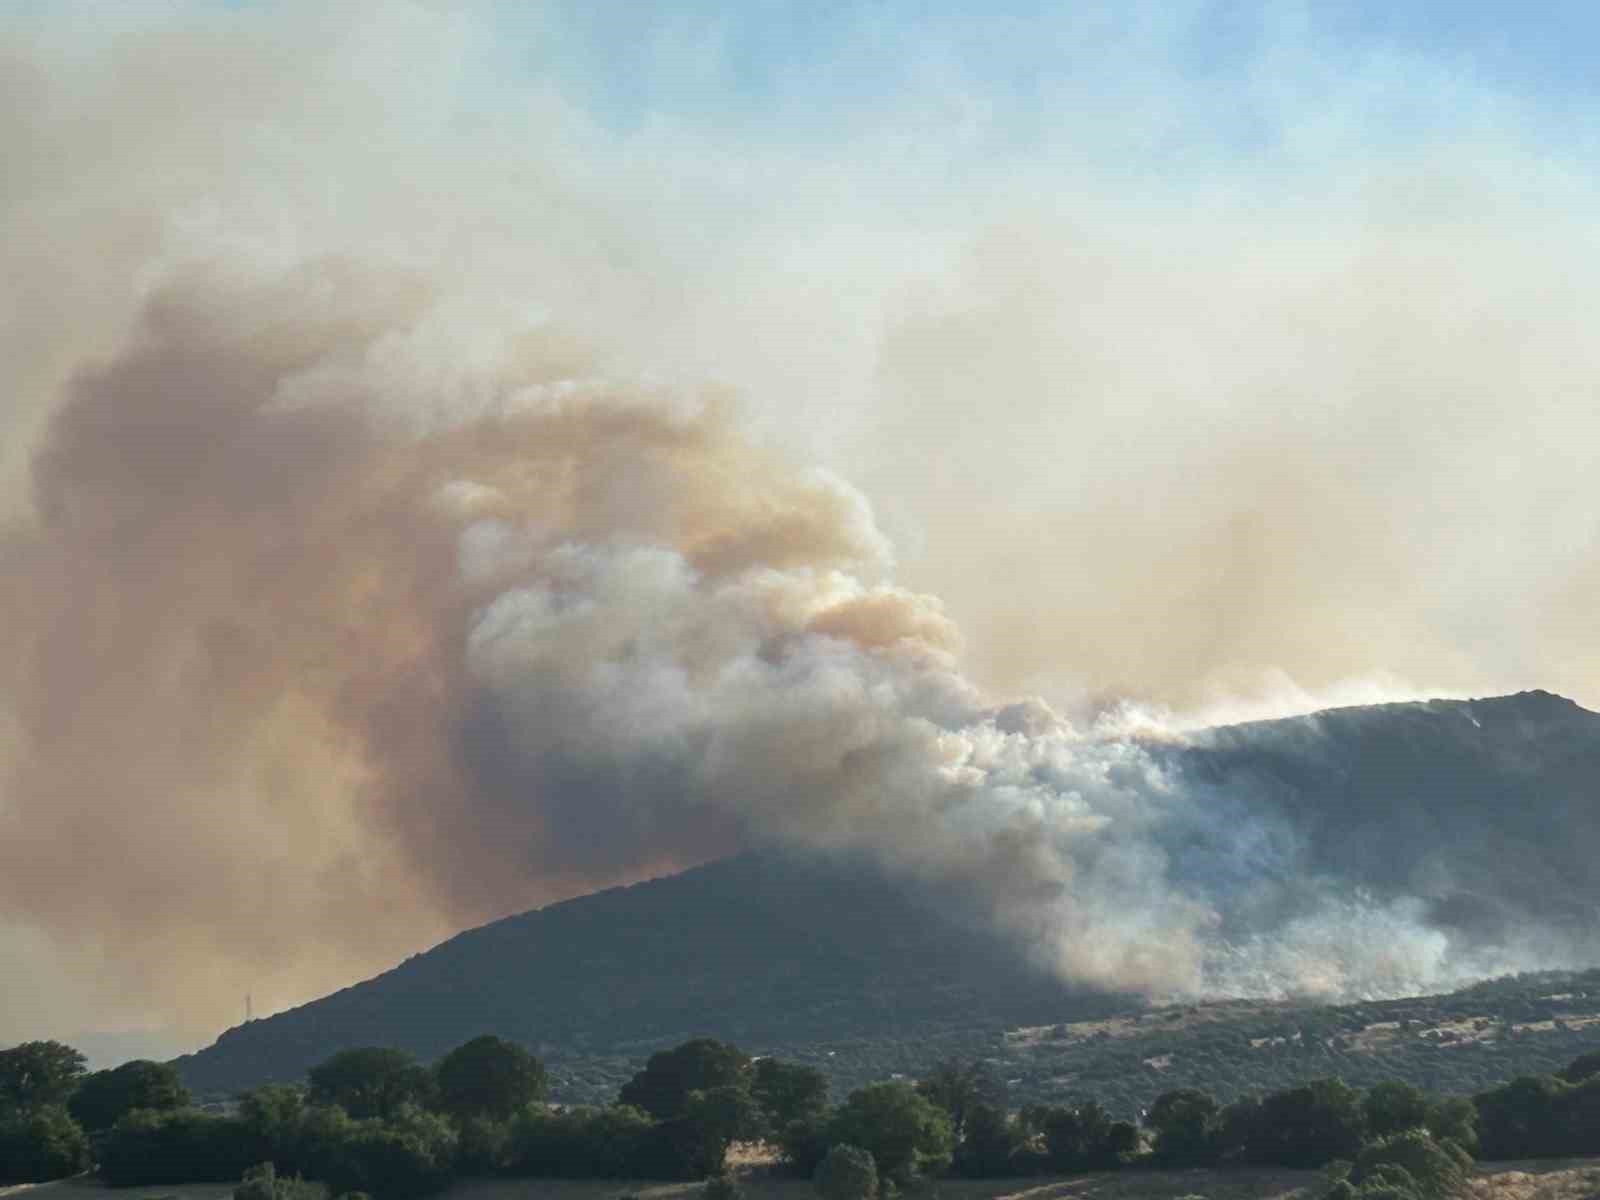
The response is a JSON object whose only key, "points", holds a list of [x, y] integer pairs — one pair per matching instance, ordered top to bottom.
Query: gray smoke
{"points": [[375, 561]]}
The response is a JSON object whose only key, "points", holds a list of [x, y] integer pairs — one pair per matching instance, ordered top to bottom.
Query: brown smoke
{"points": [[367, 569], [238, 635]]}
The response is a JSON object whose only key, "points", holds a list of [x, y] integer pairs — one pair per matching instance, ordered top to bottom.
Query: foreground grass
{"points": [[1555, 1179]]}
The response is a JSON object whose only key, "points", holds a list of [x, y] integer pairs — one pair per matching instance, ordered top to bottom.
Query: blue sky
{"points": [[809, 66]]}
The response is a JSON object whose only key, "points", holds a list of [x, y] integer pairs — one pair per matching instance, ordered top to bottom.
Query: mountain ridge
{"points": [[1491, 831]]}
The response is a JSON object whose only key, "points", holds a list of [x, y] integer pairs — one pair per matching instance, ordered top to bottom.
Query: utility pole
{"points": [[248, 1014]]}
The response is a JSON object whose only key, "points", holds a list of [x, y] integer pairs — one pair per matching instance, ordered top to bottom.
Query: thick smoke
{"points": [[370, 570]]}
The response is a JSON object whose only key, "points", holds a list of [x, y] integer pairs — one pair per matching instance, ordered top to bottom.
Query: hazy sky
{"points": [[1216, 358]]}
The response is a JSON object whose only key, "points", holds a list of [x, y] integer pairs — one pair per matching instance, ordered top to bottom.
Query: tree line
{"points": [[374, 1120]]}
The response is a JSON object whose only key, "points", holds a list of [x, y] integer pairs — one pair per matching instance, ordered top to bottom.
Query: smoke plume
{"points": [[411, 518]]}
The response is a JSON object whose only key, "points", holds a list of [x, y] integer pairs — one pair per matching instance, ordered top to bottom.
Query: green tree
{"points": [[1582, 1067], [36, 1073], [488, 1077], [371, 1081], [957, 1087], [662, 1088], [787, 1091], [103, 1097], [1393, 1107], [274, 1115], [724, 1115], [1454, 1119], [1522, 1119], [1184, 1122], [1308, 1126], [906, 1134], [1079, 1138], [40, 1143], [803, 1143], [179, 1146], [988, 1149], [410, 1155], [1435, 1171], [846, 1173]]}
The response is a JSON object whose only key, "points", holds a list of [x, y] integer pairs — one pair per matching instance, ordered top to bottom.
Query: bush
{"points": [[489, 1077], [371, 1081], [106, 1096], [1393, 1107], [1185, 1126], [1308, 1126], [906, 1134], [41, 1143], [578, 1143], [802, 1144], [181, 1146], [484, 1146], [988, 1149], [1431, 1171], [847, 1173], [262, 1182], [722, 1187]]}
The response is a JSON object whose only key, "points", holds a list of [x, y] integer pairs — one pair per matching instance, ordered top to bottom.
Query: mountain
{"points": [[1484, 810], [1480, 812], [762, 949]]}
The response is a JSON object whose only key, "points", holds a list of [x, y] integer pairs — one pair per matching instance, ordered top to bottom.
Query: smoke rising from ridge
{"points": [[372, 569]]}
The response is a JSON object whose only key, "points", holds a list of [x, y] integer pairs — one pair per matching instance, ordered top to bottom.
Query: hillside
{"points": [[1481, 812], [763, 949]]}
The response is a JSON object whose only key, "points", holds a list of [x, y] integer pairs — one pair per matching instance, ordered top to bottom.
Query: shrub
{"points": [[490, 1077], [906, 1134], [39, 1144], [180, 1146], [484, 1146], [1432, 1171], [847, 1173], [262, 1182], [722, 1187]]}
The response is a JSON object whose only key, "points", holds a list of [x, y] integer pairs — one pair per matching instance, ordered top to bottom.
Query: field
{"points": [[1566, 1179]]}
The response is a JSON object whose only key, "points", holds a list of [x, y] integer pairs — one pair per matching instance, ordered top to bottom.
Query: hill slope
{"points": [[1482, 812], [763, 949]]}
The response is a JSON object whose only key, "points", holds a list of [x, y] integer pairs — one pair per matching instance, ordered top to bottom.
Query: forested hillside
{"points": [[1480, 813]]}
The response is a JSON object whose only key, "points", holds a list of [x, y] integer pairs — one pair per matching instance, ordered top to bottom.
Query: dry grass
{"points": [[1556, 1179], [1252, 1184], [84, 1187]]}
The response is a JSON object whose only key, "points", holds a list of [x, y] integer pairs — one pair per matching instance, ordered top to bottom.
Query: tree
{"points": [[1582, 1067], [37, 1073], [488, 1077], [372, 1081], [957, 1087], [662, 1088], [787, 1091], [102, 1098], [1393, 1107], [274, 1115], [724, 1115], [1454, 1119], [1522, 1119], [1185, 1126], [1308, 1126], [906, 1134], [1081, 1138], [41, 1143], [802, 1144], [990, 1145], [180, 1146], [408, 1156], [1434, 1171], [847, 1173]]}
